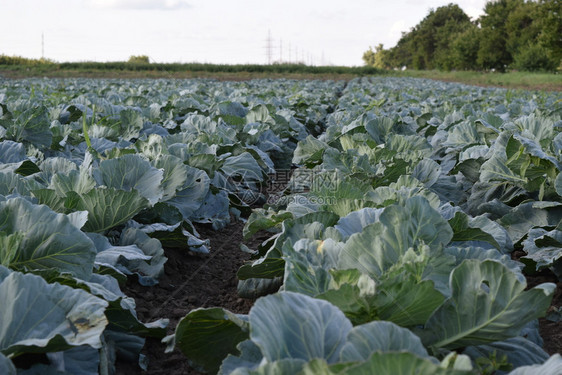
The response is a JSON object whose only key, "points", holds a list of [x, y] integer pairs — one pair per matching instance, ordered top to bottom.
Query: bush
{"points": [[534, 58], [141, 59]]}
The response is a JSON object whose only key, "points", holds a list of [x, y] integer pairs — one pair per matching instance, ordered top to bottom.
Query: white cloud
{"points": [[140, 4], [396, 31]]}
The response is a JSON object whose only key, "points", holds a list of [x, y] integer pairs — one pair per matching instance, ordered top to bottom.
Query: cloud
{"points": [[140, 4], [396, 30]]}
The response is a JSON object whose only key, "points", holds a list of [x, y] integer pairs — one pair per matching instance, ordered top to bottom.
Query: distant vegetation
{"points": [[511, 34], [141, 59], [142, 63]]}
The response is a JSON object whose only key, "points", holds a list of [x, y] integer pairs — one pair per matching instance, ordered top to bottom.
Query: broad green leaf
{"points": [[131, 123], [32, 125], [535, 127], [463, 135], [410, 148], [533, 148], [309, 151], [12, 152], [51, 166], [243, 167], [27, 168], [496, 169], [427, 171], [131, 172], [175, 174], [78, 181], [12, 183], [558, 183], [191, 195], [50, 198], [110, 207], [214, 210], [528, 215], [260, 219], [355, 221], [423, 223], [464, 230], [176, 236], [45, 239], [380, 245], [150, 247], [543, 247], [470, 252], [307, 264], [253, 288], [405, 300], [488, 303], [121, 313], [69, 317], [291, 325], [207, 336], [380, 336], [518, 350], [250, 357], [79, 360], [396, 363], [6, 366], [553, 366], [280, 367]]}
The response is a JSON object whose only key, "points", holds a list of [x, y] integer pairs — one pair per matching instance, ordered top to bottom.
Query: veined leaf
{"points": [[131, 172], [110, 207], [46, 239], [488, 303], [69, 317], [314, 328], [207, 336]]}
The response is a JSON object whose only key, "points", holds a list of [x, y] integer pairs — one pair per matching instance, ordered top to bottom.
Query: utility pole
{"points": [[42, 46], [269, 47], [280, 51], [290, 52]]}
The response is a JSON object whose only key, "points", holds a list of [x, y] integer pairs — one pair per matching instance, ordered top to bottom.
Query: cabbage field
{"points": [[392, 226]]}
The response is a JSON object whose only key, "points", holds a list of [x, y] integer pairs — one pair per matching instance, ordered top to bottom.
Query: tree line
{"points": [[511, 34]]}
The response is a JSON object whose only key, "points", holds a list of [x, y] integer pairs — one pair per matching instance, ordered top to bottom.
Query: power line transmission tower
{"points": [[269, 47]]}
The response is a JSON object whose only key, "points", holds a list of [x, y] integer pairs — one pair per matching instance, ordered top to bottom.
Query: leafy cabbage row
{"points": [[98, 177], [391, 244]]}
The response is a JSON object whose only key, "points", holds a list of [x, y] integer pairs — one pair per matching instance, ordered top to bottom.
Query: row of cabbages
{"points": [[98, 177], [391, 243]]}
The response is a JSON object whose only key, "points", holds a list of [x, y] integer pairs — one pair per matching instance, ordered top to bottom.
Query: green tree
{"points": [[550, 20], [520, 34], [426, 46], [464, 49], [493, 52], [534, 57], [379, 58], [140, 59]]}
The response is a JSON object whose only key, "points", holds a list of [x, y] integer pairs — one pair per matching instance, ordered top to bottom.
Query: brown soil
{"points": [[190, 281], [551, 332]]}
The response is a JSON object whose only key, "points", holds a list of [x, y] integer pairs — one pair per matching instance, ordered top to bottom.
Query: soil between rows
{"points": [[193, 281], [189, 282]]}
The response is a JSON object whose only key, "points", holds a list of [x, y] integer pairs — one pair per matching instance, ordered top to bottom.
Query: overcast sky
{"points": [[218, 31]]}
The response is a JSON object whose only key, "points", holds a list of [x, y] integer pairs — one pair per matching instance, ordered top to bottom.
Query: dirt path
{"points": [[189, 282]]}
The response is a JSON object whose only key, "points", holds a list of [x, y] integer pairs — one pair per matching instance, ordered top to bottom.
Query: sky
{"points": [[316, 32]]}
